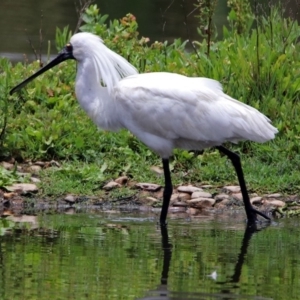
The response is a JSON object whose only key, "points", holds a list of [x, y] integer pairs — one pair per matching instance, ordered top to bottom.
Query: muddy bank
{"points": [[189, 199], [186, 200]]}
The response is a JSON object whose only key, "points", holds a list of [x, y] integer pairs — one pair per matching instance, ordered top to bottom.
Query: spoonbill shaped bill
{"points": [[163, 110]]}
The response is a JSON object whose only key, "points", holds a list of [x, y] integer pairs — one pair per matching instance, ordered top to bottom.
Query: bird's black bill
{"points": [[65, 54]]}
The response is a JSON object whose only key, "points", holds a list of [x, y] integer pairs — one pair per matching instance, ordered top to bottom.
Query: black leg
{"points": [[167, 192], [250, 211], [167, 250]]}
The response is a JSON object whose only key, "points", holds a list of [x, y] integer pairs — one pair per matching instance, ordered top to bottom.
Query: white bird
{"points": [[163, 110]]}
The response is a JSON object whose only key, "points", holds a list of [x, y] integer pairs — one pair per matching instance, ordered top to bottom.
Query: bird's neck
{"points": [[95, 98]]}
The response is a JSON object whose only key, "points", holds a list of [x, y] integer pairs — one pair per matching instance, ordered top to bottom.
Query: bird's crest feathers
{"points": [[110, 67]]}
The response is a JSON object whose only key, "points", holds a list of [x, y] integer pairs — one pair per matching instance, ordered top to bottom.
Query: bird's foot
{"points": [[253, 216]]}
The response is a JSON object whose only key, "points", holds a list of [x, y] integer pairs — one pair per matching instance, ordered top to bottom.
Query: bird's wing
{"points": [[174, 107]]}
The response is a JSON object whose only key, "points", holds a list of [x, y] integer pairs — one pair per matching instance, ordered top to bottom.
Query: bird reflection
{"points": [[249, 231], [167, 251], [162, 293]]}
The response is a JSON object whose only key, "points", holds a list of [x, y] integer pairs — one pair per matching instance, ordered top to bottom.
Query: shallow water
{"points": [[127, 256]]}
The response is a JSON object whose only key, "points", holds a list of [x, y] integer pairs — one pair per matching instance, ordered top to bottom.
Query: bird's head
{"points": [[85, 44], [108, 65]]}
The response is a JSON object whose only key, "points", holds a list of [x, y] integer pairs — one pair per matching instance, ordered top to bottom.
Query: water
{"points": [[158, 19], [124, 256]]}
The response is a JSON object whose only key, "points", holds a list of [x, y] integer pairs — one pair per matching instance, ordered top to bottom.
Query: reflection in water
{"points": [[250, 230], [125, 256], [162, 293]]}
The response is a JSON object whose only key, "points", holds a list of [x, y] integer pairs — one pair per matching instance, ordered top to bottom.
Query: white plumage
{"points": [[164, 110], [188, 113]]}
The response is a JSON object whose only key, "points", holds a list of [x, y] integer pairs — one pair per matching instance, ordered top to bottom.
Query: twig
{"points": [[84, 4], [190, 13], [164, 19], [164, 22], [188, 29], [209, 30], [41, 39], [257, 41], [32, 47], [38, 55], [3, 129]]}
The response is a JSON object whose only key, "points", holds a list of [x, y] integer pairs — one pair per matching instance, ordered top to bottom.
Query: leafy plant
{"points": [[62, 37], [258, 65], [9, 177]]}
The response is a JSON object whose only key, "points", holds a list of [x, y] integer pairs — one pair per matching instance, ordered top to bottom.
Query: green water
{"points": [[125, 256]]}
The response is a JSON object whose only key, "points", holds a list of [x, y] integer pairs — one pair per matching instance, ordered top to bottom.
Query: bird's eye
{"points": [[69, 47]]}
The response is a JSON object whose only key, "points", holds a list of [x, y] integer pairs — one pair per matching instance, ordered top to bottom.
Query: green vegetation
{"points": [[257, 61]]}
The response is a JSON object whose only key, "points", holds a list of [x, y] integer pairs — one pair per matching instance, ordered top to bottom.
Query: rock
{"points": [[40, 163], [51, 163], [54, 163], [7, 166], [34, 169], [157, 170], [22, 174], [35, 180], [122, 180], [111, 185], [149, 186], [206, 186], [24, 188], [232, 188], [188, 189], [143, 194], [159, 194], [201, 194], [9, 195], [276, 195], [237, 196], [174, 197], [180, 197], [184, 197], [221, 197], [292, 198], [70, 199], [256, 200], [17, 201], [150, 201], [201, 202], [225, 202], [180, 203], [276, 203], [220, 205], [176, 209], [70, 211], [192, 211], [24, 219]]}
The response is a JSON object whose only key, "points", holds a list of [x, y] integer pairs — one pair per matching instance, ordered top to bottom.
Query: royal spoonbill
{"points": [[163, 110]]}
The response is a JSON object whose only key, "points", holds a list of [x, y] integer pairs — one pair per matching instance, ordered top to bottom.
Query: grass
{"points": [[257, 61], [276, 175]]}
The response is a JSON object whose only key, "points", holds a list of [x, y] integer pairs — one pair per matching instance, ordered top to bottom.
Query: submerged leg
{"points": [[167, 192], [250, 211]]}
